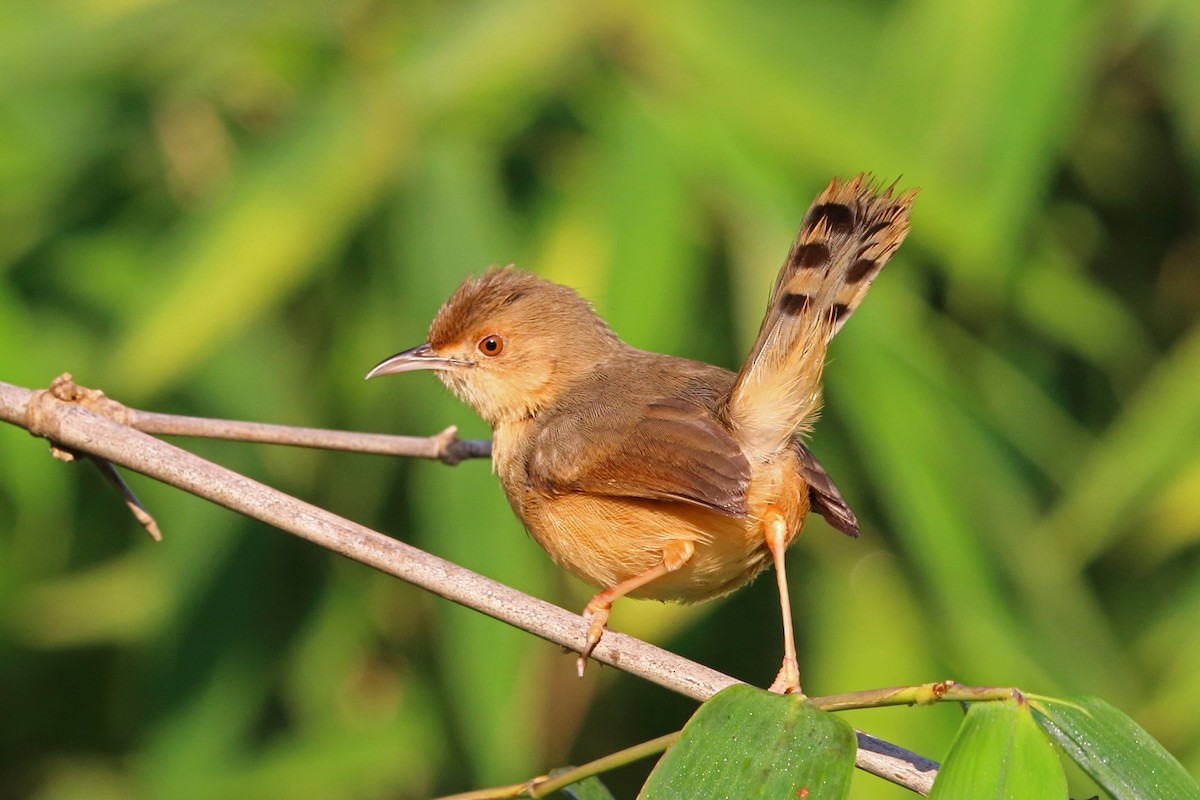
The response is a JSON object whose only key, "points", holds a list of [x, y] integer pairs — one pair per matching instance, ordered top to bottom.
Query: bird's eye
{"points": [[491, 345]]}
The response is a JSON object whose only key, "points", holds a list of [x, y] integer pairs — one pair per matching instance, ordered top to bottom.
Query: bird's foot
{"points": [[596, 615], [788, 679]]}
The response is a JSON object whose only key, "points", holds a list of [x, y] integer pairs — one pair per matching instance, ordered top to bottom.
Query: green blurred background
{"points": [[234, 209]]}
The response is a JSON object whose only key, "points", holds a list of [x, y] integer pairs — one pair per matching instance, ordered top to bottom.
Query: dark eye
{"points": [[491, 345]]}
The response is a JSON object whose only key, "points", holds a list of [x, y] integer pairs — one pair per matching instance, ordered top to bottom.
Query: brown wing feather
{"points": [[669, 449], [823, 494]]}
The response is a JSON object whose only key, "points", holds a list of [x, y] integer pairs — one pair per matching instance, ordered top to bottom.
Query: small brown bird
{"points": [[650, 475]]}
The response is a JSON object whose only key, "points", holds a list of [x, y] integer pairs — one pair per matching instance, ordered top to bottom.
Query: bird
{"points": [[650, 475]]}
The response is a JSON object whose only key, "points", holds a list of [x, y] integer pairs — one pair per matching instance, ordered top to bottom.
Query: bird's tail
{"points": [[847, 236]]}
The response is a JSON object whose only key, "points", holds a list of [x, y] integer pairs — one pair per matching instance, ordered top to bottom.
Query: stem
{"points": [[444, 446], [920, 695], [611, 761], [494, 793]]}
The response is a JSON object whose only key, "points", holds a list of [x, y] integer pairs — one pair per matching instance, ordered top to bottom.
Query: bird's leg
{"points": [[677, 553], [788, 679]]}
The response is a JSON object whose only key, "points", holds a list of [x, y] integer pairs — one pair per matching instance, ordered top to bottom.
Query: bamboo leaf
{"points": [[748, 743], [1000, 753], [1128, 762]]}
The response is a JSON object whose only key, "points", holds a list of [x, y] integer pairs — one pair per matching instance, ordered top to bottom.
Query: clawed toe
{"points": [[597, 618], [788, 679]]}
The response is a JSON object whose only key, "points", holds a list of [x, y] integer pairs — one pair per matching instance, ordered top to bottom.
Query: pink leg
{"points": [[675, 555], [788, 679]]}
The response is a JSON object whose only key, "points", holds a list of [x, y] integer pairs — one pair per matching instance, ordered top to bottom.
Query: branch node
{"points": [[66, 389], [41, 415], [42, 420], [443, 445], [451, 450], [934, 692]]}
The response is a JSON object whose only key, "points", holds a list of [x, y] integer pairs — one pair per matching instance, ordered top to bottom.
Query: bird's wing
{"points": [[669, 449], [823, 493]]}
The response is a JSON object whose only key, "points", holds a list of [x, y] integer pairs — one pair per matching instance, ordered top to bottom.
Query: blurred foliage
{"points": [[235, 209]]}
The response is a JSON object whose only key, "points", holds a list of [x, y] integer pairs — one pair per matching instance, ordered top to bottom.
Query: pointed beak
{"points": [[420, 357]]}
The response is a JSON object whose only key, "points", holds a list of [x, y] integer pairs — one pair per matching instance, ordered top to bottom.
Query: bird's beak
{"points": [[420, 357]]}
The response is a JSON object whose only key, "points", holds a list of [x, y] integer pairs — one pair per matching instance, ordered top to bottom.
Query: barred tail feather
{"points": [[847, 236]]}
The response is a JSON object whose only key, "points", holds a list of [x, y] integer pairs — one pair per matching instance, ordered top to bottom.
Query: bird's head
{"points": [[508, 343]]}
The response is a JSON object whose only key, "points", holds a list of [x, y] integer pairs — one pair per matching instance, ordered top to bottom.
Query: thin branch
{"points": [[78, 423], [444, 446], [922, 695], [564, 778], [545, 785]]}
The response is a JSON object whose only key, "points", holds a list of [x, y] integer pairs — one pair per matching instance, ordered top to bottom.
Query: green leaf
{"points": [[748, 743], [1000, 752], [1125, 760], [587, 789]]}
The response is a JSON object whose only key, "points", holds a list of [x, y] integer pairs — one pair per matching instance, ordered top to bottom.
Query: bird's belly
{"points": [[605, 540]]}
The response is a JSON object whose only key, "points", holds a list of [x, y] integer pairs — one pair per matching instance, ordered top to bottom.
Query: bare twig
{"points": [[79, 425], [444, 446]]}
